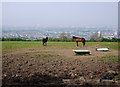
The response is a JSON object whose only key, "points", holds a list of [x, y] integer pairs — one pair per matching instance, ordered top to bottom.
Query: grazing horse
{"points": [[77, 39], [45, 41]]}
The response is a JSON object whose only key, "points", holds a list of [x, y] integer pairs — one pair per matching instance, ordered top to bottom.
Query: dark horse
{"points": [[77, 39], [45, 41]]}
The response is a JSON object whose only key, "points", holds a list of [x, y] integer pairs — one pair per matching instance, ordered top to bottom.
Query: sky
{"points": [[59, 14]]}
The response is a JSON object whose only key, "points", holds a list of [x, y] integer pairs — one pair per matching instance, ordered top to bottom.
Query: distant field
{"points": [[9, 46]]}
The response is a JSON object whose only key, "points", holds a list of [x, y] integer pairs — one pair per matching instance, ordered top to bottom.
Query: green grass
{"points": [[113, 45], [10, 46], [109, 59]]}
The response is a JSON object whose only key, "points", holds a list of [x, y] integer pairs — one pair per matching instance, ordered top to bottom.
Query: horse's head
{"points": [[73, 37], [47, 38]]}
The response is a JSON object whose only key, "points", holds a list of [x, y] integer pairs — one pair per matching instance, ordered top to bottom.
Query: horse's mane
{"points": [[75, 37]]}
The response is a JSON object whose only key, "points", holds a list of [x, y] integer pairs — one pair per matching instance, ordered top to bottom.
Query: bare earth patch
{"points": [[53, 66]]}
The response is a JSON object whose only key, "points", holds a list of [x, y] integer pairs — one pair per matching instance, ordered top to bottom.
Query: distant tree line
{"points": [[13, 39], [63, 40], [104, 40]]}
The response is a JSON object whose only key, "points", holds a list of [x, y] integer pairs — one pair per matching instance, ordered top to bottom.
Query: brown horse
{"points": [[77, 39], [45, 41]]}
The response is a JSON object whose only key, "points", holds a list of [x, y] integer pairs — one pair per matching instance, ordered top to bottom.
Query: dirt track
{"points": [[34, 66]]}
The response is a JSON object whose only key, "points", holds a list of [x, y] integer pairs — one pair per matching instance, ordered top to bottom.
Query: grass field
{"points": [[8, 46]]}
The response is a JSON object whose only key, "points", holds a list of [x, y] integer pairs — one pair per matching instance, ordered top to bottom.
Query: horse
{"points": [[77, 39], [44, 40]]}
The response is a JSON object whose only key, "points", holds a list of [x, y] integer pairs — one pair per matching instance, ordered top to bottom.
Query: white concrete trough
{"points": [[102, 49], [81, 52]]}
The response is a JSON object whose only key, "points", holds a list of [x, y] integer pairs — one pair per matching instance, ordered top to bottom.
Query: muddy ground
{"points": [[33, 66]]}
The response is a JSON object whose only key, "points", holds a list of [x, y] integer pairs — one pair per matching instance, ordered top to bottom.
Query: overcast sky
{"points": [[55, 14]]}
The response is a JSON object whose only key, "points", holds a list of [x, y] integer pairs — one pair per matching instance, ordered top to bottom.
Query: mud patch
{"points": [[54, 66]]}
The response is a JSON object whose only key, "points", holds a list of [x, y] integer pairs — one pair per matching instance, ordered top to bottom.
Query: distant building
{"points": [[115, 33], [99, 34]]}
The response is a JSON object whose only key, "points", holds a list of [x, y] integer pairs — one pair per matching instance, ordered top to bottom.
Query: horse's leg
{"points": [[43, 43], [77, 43], [83, 43]]}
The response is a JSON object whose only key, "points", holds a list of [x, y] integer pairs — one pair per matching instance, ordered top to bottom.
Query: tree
{"points": [[64, 36], [95, 37], [3, 38], [114, 40]]}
